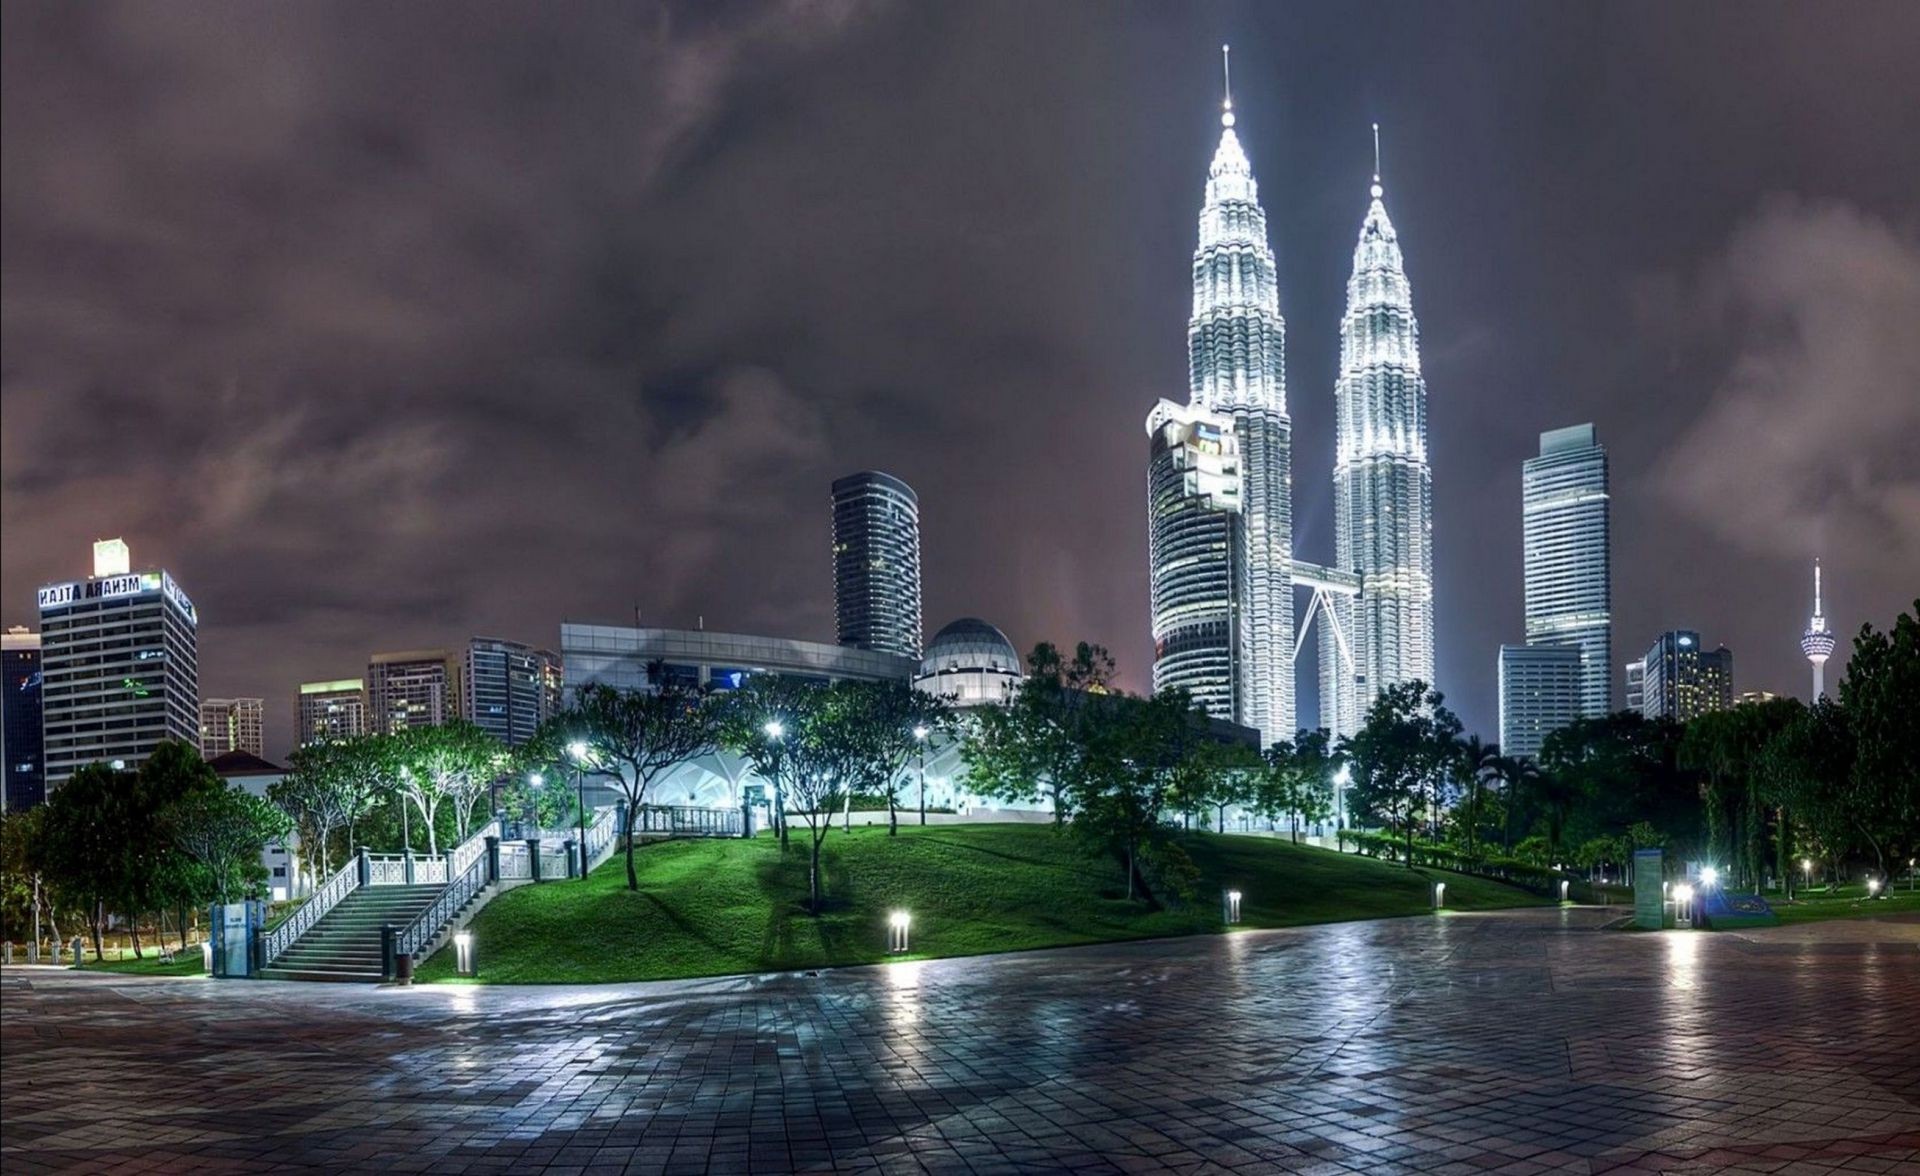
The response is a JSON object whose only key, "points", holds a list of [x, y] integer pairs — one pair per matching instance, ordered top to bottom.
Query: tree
{"points": [[1881, 697], [759, 722], [883, 724], [635, 737], [1033, 745], [1136, 753], [1399, 757], [823, 759], [454, 763], [1473, 763], [1808, 768], [1517, 775], [1297, 783], [330, 787], [91, 827], [225, 829]]}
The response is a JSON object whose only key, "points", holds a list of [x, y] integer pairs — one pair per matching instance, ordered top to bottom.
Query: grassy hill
{"points": [[714, 907]]}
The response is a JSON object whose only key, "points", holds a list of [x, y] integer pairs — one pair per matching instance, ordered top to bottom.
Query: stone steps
{"points": [[345, 944]]}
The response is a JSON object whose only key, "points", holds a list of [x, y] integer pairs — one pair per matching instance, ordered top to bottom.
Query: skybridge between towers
{"points": [[1326, 584]]}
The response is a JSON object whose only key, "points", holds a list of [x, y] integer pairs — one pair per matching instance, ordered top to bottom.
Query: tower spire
{"points": [[1226, 76], [1377, 190], [1816, 586]]}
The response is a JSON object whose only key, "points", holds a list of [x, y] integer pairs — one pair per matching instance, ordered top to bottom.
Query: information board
{"points": [[1649, 890]]}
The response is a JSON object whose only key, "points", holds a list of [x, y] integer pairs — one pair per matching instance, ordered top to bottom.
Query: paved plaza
{"points": [[1521, 1042]]}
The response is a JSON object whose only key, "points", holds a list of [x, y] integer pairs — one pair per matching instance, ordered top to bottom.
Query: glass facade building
{"points": [[1382, 486], [1196, 544], [1566, 545], [876, 563], [119, 665], [1682, 679], [510, 688], [1539, 694], [25, 784]]}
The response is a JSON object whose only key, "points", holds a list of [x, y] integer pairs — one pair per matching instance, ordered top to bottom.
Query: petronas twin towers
{"points": [[1220, 497]]}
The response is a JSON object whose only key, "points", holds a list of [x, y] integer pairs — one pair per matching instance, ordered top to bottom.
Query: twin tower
{"points": [[1219, 486]]}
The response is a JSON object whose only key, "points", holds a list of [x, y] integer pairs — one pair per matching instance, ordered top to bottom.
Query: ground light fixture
{"points": [[1709, 877], [1564, 885], [1873, 887], [1440, 894], [1683, 901], [1230, 907], [898, 924], [463, 958]]}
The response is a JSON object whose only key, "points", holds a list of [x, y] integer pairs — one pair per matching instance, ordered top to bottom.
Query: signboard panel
{"points": [[1649, 897]]}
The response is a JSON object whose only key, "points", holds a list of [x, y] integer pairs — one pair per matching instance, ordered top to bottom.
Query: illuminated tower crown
{"points": [[1817, 642]]}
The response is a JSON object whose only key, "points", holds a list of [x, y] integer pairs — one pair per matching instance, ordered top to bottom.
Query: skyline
{"points": [[319, 440]]}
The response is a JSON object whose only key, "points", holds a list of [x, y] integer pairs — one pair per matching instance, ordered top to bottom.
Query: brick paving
{"points": [[1522, 1042]]}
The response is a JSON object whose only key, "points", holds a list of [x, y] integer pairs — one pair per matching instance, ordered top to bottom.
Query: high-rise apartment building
{"points": [[1237, 373], [1382, 485], [1565, 512], [1197, 551], [876, 563], [119, 665], [1682, 679], [417, 688], [511, 688], [1539, 694], [331, 711], [231, 724], [25, 784]]}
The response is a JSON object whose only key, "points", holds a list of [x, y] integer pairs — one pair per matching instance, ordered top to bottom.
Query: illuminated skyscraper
{"points": [[1236, 350], [1382, 484], [1565, 551], [876, 563], [1817, 642], [1682, 679], [333, 710], [231, 724]]}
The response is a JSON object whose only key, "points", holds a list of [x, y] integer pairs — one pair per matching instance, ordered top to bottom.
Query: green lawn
{"points": [[1846, 902], [715, 907], [185, 963]]}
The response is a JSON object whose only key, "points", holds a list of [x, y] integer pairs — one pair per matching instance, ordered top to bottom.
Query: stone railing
{"points": [[682, 820], [345, 881], [458, 893]]}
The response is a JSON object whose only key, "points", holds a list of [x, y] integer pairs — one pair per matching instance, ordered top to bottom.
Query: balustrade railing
{"points": [[688, 821], [601, 834], [473, 849], [515, 862], [345, 881], [415, 936]]}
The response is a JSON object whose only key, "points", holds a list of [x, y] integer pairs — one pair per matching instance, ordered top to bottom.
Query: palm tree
{"points": [[1473, 761], [1517, 775]]}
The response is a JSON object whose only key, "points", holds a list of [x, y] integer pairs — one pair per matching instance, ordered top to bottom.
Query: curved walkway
{"points": [[1522, 1041]]}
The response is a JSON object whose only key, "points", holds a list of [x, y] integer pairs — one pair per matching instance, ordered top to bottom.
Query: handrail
{"points": [[474, 847], [456, 894], [327, 896]]}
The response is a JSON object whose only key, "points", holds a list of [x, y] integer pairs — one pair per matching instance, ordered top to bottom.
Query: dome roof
{"points": [[970, 644]]}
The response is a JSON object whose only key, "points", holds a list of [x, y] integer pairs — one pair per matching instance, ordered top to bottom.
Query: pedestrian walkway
{"points": [[1521, 1042]]}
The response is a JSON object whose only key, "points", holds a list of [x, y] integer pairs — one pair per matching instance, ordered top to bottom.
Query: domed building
{"points": [[969, 663]]}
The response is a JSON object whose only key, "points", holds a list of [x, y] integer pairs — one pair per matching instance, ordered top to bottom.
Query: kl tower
{"points": [[1817, 642]]}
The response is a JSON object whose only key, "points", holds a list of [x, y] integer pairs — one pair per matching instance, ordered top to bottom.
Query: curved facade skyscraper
{"points": [[1382, 485], [876, 563], [1238, 661]]}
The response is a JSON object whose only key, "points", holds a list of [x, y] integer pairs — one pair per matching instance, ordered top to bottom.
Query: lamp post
{"points": [[776, 732], [920, 736], [577, 752], [1341, 779], [534, 781], [406, 828]]}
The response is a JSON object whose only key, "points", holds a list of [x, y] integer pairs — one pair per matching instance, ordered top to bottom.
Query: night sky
{"points": [[385, 325]]}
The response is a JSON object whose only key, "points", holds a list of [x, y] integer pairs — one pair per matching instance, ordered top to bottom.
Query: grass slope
{"points": [[1845, 902], [714, 907]]}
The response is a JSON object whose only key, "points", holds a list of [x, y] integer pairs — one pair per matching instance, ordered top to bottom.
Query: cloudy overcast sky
{"points": [[385, 325]]}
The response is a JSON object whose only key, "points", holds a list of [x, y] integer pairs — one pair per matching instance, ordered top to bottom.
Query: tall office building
{"points": [[1236, 368], [1382, 483], [1564, 527], [1197, 551], [876, 563], [1817, 643], [119, 665], [1682, 679], [1636, 686], [418, 688], [511, 688], [1540, 692], [331, 711], [231, 724], [25, 784]]}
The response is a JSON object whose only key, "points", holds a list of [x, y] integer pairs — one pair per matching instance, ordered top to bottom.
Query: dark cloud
{"points": [[386, 325]]}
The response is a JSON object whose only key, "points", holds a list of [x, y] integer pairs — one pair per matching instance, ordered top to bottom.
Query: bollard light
{"points": [[1873, 887], [1563, 889], [1439, 895], [1683, 902], [1230, 912], [898, 924], [206, 956], [464, 963]]}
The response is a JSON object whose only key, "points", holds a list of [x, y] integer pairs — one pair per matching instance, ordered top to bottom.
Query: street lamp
{"points": [[776, 731], [920, 734], [577, 752], [1341, 779], [534, 781], [406, 828], [1806, 871], [1708, 877]]}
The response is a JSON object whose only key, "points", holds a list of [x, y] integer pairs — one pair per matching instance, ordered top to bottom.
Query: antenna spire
{"points": [[1226, 74], [1377, 190], [1816, 587]]}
